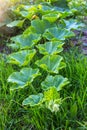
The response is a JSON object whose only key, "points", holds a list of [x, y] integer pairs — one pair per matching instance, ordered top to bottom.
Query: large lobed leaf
{"points": [[44, 9], [26, 11], [51, 17], [16, 23], [72, 24], [41, 25], [57, 34], [26, 41], [53, 47], [21, 58], [51, 64], [23, 78], [57, 81], [33, 100]]}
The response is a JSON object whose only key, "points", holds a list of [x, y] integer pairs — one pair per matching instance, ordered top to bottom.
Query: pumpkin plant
{"points": [[39, 49]]}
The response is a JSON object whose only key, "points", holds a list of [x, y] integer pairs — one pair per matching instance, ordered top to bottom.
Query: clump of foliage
{"points": [[79, 5], [38, 53], [37, 98], [72, 113]]}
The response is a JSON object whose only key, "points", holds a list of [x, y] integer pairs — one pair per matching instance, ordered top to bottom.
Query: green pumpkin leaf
{"points": [[44, 9], [16, 10], [25, 11], [66, 13], [25, 14], [51, 17], [16, 23], [72, 24], [41, 25], [29, 30], [57, 34], [26, 41], [13, 46], [53, 47], [21, 58], [51, 64], [23, 78], [57, 81], [33, 100]]}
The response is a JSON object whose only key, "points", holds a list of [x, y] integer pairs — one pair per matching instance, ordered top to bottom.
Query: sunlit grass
{"points": [[72, 114]]}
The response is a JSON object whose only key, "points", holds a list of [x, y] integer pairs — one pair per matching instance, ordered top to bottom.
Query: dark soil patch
{"points": [[80, 40], [4, 49]]}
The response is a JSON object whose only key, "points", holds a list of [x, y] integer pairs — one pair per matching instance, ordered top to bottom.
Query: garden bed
{"points": [[43, 69]]}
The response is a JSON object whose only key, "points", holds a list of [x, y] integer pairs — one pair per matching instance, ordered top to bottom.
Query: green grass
{"points": [[76, 72], [5, 99], [73, 111]]}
